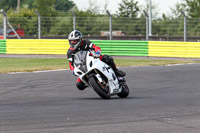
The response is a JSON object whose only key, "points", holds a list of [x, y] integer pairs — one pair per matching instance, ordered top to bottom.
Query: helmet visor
{"points": [[75, 43]]}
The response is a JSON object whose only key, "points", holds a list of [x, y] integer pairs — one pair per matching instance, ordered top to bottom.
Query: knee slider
{"points": [[110, 58], [80, 85]]}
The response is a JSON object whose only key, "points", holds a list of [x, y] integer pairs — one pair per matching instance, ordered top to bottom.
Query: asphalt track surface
{"points": [[163, 99]]}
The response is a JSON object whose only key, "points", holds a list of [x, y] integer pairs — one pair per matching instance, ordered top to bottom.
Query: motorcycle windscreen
{"points": [[80, 60]]}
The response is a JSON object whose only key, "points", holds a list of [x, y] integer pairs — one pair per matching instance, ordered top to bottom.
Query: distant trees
{"points": [[28, 3], [7, 4], [64, 5], [46, 7], [190, 7], [128, 8], [192, 10], [27, 18], [129, 18]]}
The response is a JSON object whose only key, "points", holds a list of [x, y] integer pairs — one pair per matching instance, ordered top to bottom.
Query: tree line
{"points": [[128, 10]]}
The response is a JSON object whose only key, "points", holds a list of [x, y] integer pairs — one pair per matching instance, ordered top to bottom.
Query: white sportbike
{"points": [[99, 76]]}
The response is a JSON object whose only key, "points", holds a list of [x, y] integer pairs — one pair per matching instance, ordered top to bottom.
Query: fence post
{"points": [[150, 18], [74, 20], [4, 23], [39, 24], [110, 24], [147, 26], [185, 26]]}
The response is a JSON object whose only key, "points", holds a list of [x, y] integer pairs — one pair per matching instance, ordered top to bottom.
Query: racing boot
{"points": [[110, 61], [119, 72]]}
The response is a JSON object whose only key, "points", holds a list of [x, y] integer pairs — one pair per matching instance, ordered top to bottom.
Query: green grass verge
{"points": [[144, 62], [31, 64], [8, 65]]}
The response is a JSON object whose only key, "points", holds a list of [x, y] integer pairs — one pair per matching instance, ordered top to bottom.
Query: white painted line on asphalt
{"points": [[181, 64], [167, 65], [118, 67], [40, 71], [50, 71]]}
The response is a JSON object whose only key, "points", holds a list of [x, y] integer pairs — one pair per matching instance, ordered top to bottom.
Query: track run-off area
{"points": [[162, 99]]}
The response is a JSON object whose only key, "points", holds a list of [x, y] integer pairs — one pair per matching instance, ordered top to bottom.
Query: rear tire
{"points": [[98, 89], [125, 91]]}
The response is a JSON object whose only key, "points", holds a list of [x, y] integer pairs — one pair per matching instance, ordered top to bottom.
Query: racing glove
{"points": [[97, 54]]}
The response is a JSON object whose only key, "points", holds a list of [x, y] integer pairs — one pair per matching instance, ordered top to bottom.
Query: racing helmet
{"points": [[75, 39]]}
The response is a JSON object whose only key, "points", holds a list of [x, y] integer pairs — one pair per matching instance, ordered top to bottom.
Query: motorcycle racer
{"points": [[76, 44]]}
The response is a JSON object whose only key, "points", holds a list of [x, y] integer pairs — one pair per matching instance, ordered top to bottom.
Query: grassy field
{"points": [[8, 65]]}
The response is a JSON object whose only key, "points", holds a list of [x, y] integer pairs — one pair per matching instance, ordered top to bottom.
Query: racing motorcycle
{"points": [[99, 76]]}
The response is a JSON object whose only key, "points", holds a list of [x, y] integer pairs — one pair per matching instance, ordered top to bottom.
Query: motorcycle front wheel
{"points": [[98, 89]]}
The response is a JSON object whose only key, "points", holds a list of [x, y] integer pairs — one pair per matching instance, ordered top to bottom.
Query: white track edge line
{"points": [[58, 70]]}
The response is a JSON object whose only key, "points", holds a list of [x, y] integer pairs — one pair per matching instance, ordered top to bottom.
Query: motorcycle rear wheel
{"points": [[98, 89], [125, 91]]}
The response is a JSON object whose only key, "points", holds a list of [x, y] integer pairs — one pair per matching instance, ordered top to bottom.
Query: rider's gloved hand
{"points": [[97, 54]]}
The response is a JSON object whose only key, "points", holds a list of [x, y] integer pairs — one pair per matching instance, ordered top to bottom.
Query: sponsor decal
{"points": [[106, 68]]}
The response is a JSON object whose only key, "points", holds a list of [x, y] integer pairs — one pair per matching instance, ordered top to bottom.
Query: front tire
{"points": [[98, 89]]}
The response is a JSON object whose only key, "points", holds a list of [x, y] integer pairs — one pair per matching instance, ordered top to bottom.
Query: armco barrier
{"points": [[2, 46], [36, 46], [123, 48], [174, 49]]}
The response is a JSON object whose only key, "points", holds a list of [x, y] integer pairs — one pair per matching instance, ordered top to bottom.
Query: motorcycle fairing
{"points": [[85, 64]]}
